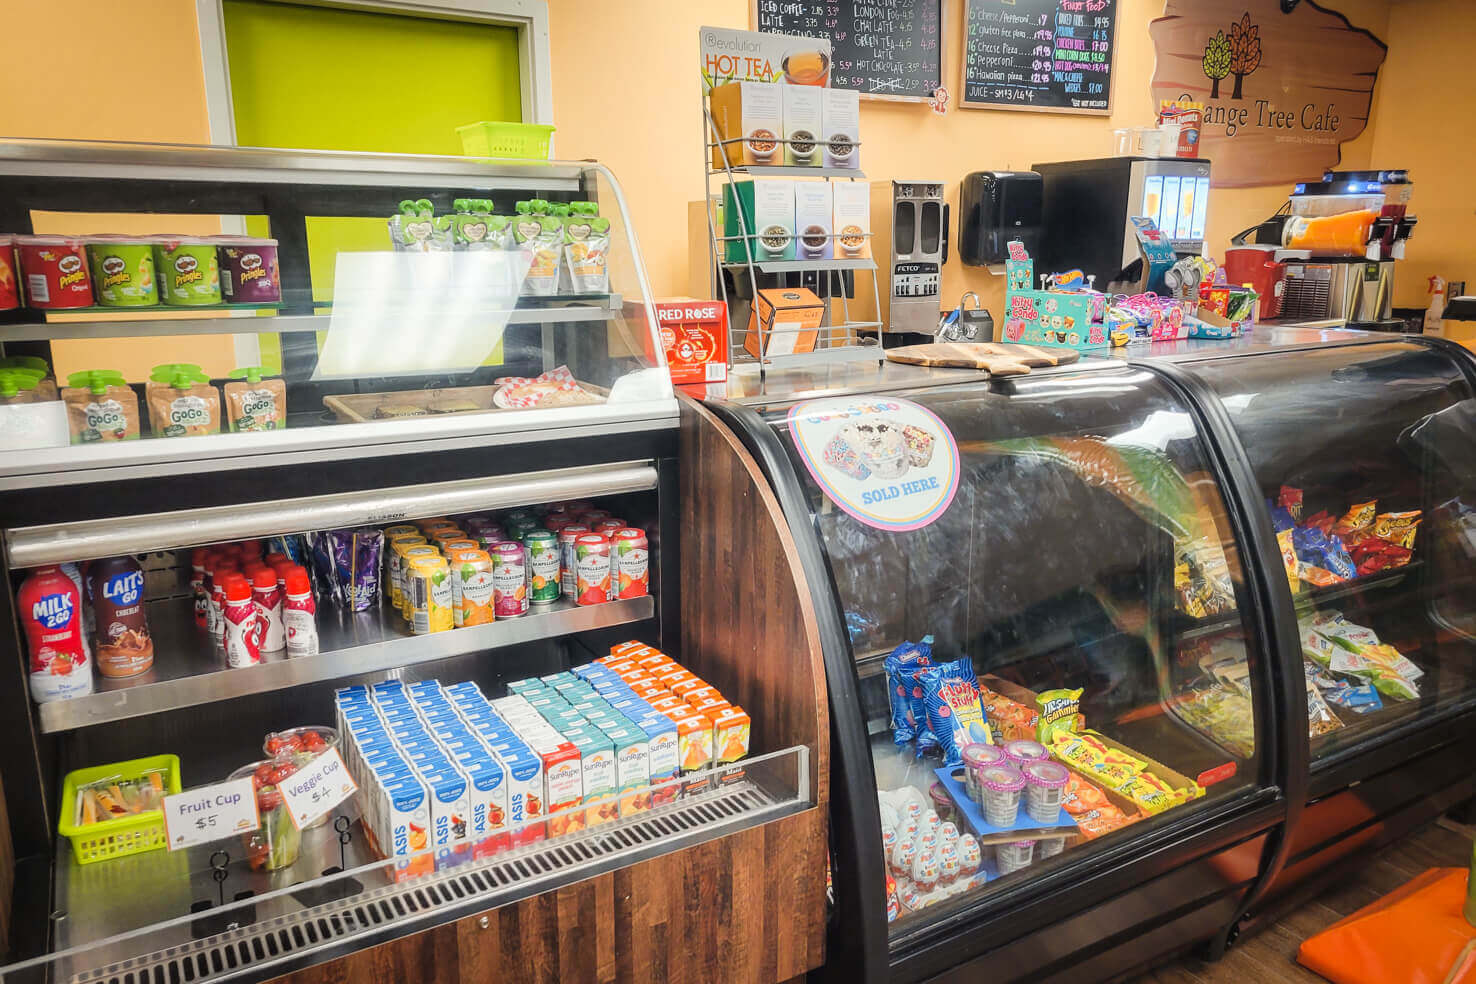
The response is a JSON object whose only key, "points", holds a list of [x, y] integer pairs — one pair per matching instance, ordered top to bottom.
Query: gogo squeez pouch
{"points": [[416, 229], [539, 236], [587, 249], [955, 713], [909, 717]]}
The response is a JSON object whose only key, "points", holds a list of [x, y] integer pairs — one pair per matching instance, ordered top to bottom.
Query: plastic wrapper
{"points": [[1317, 548], [347, 565], [901, 666], [1362, 699], [1058, 710], [955, 714], [1223, 714], [1320, 718], [1008, 719]]}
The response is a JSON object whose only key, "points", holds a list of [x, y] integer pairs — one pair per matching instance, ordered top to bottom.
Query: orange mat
{"points": [[1414, 935]]}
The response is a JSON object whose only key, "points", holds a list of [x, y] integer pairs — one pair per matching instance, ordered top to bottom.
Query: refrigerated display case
{"points": [[416, 391], [1107, 578]]}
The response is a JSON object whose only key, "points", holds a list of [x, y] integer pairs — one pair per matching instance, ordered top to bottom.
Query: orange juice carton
{"points": [[694, 335], [622, 647], [655, 662], [622, 666], [638, 675], [671, 678], [686, 686], [649, 689], [699, 694], [668, 703], [710, 705], [731, 727], [694, 746], [663, 754], [632, 768], [597, 773], [562, 782], [487, 794], [525, 794], [404, 806], [450, 811]]}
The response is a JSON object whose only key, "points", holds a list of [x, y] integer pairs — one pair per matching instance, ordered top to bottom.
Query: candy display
{"points": [[1360, 542]]}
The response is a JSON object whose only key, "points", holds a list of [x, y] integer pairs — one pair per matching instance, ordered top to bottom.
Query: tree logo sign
{"points": [[1283, 85]]}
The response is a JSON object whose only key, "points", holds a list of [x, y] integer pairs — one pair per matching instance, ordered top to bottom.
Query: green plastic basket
{"points": [[528, 141], [126, 835]]}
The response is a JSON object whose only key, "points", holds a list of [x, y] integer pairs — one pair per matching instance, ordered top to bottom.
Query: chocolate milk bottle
{"points": [[124, 646]]}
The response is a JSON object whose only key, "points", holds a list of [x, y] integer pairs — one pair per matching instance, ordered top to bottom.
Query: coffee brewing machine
{"points": [[910, 239], [1338, 239]]}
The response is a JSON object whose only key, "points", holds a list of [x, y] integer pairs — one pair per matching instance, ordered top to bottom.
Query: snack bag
{"points": [[473, 226], [416, 229], [539, 237], [587, 249], [254, 401], [184, 404], [101, 406], [1290, 499], [1397, 528], [1289, 559], [900, 667], [1361, 700], [1058, 710], [955, 716], [1320, 718]]}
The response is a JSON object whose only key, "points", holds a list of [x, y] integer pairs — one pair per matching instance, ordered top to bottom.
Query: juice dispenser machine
{"points": [[1087, 208], [910, 233]]}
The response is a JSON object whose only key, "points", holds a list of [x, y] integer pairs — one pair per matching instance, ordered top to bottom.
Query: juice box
{"points": [[622, 647], [524, 686], [685, 686], [695, 695], [668, 703], [731, 729], [694, 746], [663, 755], [597, 764], [632, 769], [563, 785], [525, 792], [488, 794], [450, 809], [405, 812]]}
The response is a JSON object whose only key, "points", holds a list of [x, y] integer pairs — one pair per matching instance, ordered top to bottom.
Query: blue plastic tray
{"points": [[973, 814]]}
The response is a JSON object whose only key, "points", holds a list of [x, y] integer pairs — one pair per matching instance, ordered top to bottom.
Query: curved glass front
{"points": [[1367, 464], [1053, 659]]}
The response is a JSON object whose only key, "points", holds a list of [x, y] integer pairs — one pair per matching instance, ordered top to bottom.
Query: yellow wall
{"points": [[120, 61], [642, 118], [1421, 127]]}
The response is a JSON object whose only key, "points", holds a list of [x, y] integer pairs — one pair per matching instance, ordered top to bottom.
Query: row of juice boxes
{"points": [[447, 776]]}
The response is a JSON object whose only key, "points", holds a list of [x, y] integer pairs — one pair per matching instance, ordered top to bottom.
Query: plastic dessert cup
{"points": [[1022, 750], [976, 757], [1044, 784], [1001, 786], [1049, 847], [1013, 856]]}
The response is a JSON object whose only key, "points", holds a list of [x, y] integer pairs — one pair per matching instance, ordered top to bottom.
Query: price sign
{"points": [[317, 788], [210, 813]]}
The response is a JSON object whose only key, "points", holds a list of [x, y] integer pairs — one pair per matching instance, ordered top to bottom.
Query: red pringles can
{"points": [[55, 268], [9, 279], [631, 564], [591, 569]]}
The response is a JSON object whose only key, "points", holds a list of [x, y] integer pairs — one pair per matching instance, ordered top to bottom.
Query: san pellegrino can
{"points": [[543, 566]]}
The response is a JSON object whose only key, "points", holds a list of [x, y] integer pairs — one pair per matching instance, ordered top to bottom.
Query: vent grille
{"points": [[1307, 295], [493, 882]]}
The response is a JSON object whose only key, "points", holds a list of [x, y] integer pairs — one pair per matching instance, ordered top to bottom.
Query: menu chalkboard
{"points": [[878, 47], [1041, 55]]}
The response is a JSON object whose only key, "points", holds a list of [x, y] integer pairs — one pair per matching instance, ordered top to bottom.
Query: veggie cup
{"points": [[300, 746], [1044, 784], [1001, 786], [276, 843]]}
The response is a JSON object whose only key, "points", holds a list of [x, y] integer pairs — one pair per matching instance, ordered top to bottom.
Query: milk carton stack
{"points": [[447, 776]]}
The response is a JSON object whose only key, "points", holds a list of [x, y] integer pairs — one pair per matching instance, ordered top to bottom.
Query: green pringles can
{"points": [[122, 271], [188, 271], [544, 567]]}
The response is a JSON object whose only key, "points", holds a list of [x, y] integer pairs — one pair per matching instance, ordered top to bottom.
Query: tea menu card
{"points": [[880, 47]]}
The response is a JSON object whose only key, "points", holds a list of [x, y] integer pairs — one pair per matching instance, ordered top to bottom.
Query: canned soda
{"points": [[514, 516], [591, 517], [557, 521], [609, 526], [518, 529], [408, 556], [394, 560], [567, 564], [543, 566], [631, 568], [591, 569], [471, 575], [509, 579], [428, 586]]}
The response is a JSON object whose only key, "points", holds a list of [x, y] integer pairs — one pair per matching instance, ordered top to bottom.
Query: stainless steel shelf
{"points": [[790, 171], [799, 266], [149, 327], [59, 543], [189, 669]]}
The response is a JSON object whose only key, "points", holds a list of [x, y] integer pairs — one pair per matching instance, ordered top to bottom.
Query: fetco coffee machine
{"points": [[1086, 207], [909, 234]]}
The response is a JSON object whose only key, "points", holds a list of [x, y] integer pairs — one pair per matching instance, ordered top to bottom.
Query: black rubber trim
{"points": [[1459, 354], [1275, 612], [856, 949]]}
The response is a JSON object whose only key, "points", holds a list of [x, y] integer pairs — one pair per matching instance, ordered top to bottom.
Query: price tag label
{"points": [[317, 788], [210, 813]]}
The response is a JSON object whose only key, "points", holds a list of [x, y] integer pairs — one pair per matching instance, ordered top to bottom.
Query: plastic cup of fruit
{"points": [[301, 746], [1001, 786], [276, 843]]}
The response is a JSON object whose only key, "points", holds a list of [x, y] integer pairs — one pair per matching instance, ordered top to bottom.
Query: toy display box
{"points": [[1067, 314]]}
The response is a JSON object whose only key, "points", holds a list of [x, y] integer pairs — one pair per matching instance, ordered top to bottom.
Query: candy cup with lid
{"points": [[1022, 750], [975, 757], [1045, 782], [1001, 786], [1049, 847], [1013, 856]]}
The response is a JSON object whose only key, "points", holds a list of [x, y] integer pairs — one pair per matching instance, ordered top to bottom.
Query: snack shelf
{"points": [[570, 309], [1316, 597], [188, 670], [285, 921]]}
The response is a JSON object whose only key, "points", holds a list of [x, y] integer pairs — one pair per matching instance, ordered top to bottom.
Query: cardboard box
{"points": [[749, 118], [803, 123], [842, 123], [760, 213], [813, 215], [851, 219], [785, 320], [694, 336]]}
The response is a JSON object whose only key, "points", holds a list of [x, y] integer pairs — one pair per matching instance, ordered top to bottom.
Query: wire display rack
{"points": [[835, 340]]}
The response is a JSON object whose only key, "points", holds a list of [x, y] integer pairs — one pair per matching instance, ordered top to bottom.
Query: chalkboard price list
{"points": [[880, 47], [1043, 53]]}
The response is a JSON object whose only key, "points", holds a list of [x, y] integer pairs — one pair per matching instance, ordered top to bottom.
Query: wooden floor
{"points": [[1269, 957]]}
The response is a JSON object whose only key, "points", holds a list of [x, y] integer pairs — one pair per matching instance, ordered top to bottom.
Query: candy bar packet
{"points": [[900, 666], [955, 715]]}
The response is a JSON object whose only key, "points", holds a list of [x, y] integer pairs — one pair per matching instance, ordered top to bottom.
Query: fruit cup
{"points": [[276, 843]]}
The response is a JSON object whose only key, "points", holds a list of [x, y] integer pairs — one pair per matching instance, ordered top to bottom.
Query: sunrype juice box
{"points": [[597, 775]]}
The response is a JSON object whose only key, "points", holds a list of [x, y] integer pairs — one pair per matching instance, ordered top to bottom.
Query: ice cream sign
{"points": [[888, 462]]}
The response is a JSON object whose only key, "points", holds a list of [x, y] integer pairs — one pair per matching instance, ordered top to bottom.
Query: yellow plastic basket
{"points": [[495, 139], [126, 835]]}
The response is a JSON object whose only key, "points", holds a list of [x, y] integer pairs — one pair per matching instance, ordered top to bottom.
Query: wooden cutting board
{"points": [[995, 357]]}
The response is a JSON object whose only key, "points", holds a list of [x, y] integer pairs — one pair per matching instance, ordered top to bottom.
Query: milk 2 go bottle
{"points": [[51, 611]]}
